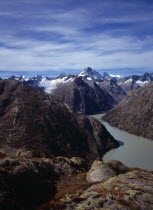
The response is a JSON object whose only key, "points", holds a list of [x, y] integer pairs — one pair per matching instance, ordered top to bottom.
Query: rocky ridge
{"points": [[134, 113], [62, 183], [113, 186]]}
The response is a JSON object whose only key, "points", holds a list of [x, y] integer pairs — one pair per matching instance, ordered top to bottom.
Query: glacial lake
{"points": [[134, 151]]}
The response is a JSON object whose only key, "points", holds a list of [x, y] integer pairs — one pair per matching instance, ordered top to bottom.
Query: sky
{"points": [[54, 36]]}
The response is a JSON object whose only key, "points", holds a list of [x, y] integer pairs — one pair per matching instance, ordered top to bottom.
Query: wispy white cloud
{"points": [[56, 38], [107, 53]]}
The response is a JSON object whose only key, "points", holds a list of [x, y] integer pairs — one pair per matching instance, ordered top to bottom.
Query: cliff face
{"points": [[83, 97], [135, 113], [33, 124]]}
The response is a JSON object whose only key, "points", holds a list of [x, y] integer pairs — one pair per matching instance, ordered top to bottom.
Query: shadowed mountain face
{"points": [[88, 98], [135, 113], [33, 124]]}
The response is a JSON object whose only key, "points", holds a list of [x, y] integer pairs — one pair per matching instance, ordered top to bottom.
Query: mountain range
{"points": [[51, 83], [88, 92]]}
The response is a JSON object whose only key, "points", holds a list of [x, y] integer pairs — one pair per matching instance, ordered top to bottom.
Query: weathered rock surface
{"points": [[135, 113], [33, 124], [99, 172], [27, 183], [130, 189]]}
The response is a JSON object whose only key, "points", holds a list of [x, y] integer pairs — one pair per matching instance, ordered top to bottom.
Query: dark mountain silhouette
{"points": [[85, 97]]}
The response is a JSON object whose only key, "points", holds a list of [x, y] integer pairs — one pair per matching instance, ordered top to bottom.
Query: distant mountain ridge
{"points": [[135, 81], [48, 84], [88, 92]]}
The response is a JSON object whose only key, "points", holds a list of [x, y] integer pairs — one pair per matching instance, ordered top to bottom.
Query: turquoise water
{"points": [[134, 151]]}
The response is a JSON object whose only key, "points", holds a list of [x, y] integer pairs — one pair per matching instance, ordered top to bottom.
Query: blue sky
{"points": [[50, 37]]}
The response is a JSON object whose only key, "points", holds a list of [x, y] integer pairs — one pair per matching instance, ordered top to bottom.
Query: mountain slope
{"points": [[113, 89], [85, 97], [135, 113], [32, 123]]}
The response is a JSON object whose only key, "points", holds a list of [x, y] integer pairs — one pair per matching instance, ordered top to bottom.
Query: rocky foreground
{"points": [[63, 183]]}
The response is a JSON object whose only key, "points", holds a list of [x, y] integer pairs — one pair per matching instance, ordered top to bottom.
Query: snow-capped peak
{"points": [[89, 72], [107, 76], [19, 78], [48, 84]]}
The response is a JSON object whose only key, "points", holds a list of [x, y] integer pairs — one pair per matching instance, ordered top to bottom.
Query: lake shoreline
{"points": [[134, 151]]}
